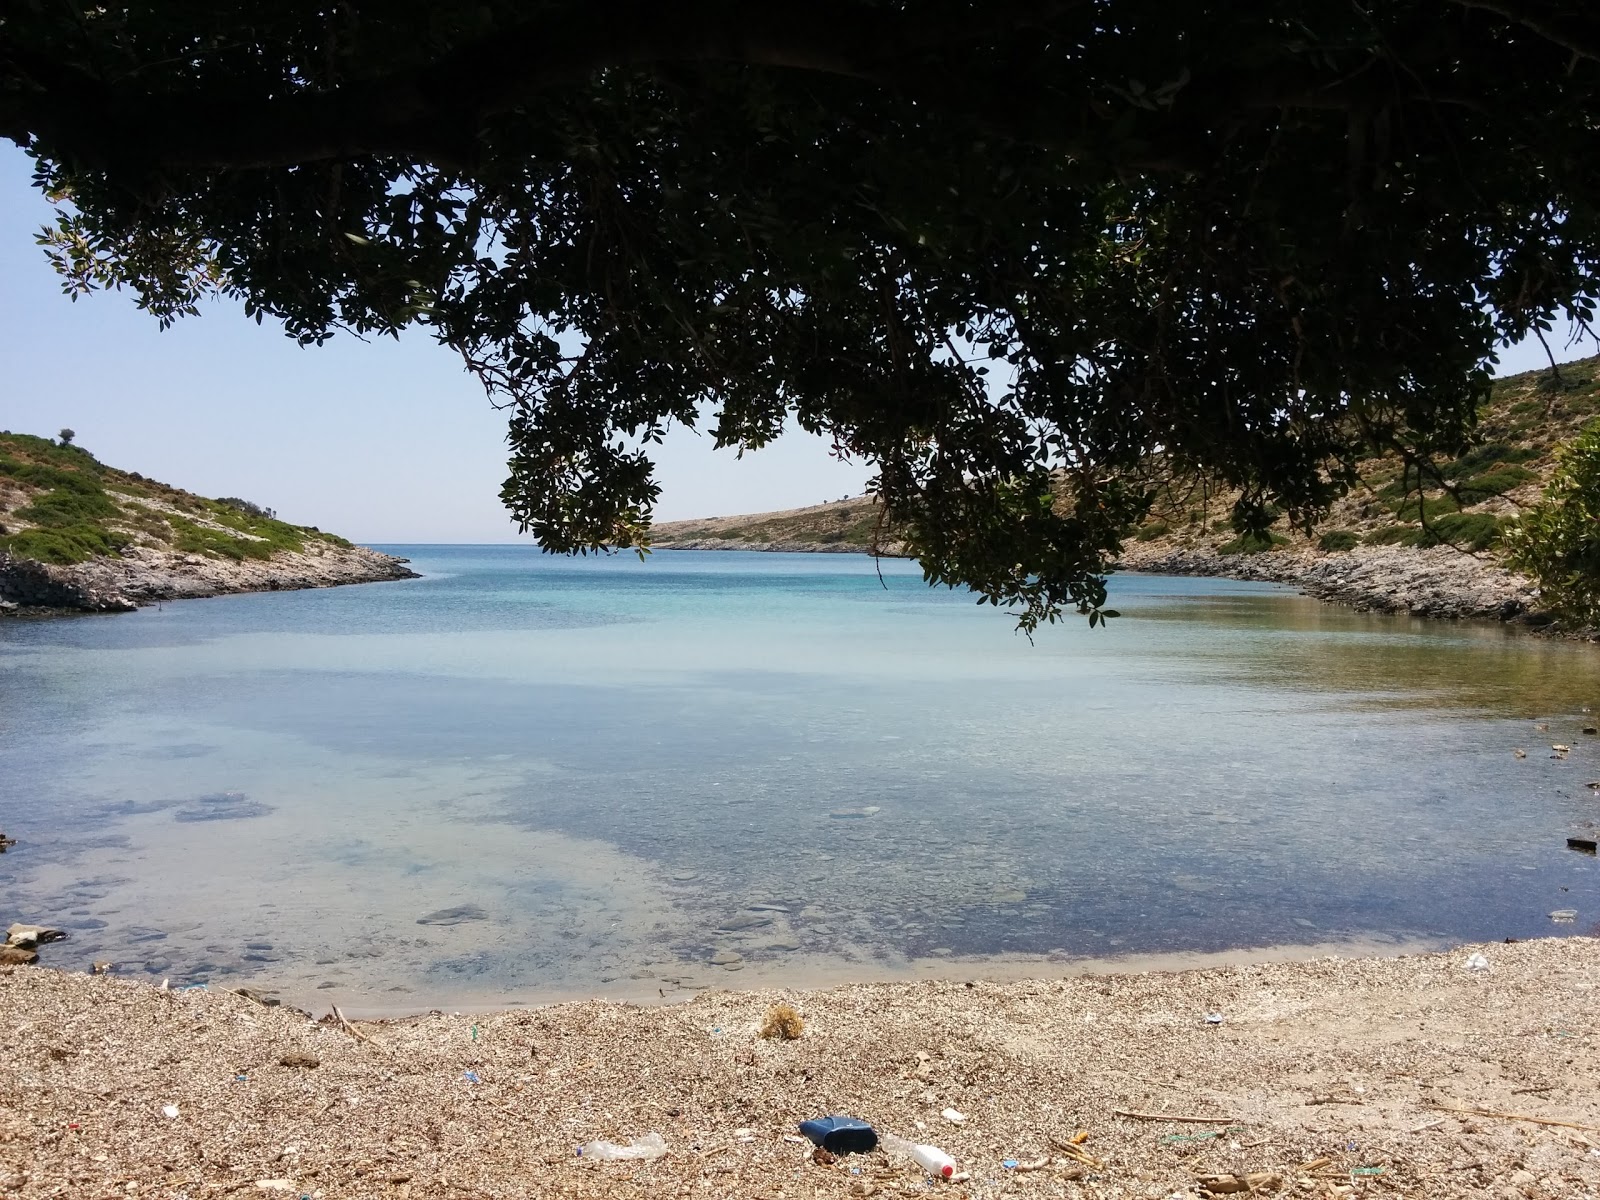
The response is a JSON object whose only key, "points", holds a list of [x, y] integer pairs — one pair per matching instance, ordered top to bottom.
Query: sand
{"points": [[1324, 1078]]}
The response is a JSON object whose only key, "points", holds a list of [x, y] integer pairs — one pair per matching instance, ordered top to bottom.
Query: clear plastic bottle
{"points": [[650, 1145], [930, 1158]]}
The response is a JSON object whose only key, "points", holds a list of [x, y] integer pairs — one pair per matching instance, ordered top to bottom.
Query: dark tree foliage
{"points": [[1012, 252]]}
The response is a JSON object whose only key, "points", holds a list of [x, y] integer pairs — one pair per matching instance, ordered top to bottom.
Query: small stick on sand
{"points": [[345, 1025], [1489, 1112], [1144, 1116], [1437, 1121], [1074, 1151]]}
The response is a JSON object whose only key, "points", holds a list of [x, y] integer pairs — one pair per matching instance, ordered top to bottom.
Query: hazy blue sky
{"points": [[382, 442]]}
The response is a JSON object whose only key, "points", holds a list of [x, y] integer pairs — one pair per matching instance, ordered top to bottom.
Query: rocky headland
{"points": [[77, 535], [143, 575]]}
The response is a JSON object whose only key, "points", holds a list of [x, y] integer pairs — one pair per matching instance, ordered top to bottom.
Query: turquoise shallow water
{"points": [[617, 772]]}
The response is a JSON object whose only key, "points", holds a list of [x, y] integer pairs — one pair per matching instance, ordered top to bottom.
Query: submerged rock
{"points": [[222, 806], [847, 814], [458, 915], [29, 937]]}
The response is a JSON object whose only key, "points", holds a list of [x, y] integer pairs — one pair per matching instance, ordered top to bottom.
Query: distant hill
{"points": [[1527, 418], [841, 526], [76, 533]]}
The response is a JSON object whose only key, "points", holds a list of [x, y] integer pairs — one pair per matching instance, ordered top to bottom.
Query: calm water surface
{"points": [[524, 777]]}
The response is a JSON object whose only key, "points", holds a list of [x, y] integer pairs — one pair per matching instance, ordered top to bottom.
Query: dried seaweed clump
{"points": [[782, 1022]]}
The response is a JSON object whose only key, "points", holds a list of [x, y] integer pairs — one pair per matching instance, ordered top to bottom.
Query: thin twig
{"points": [[1489, 1112], [1143, 1116]]}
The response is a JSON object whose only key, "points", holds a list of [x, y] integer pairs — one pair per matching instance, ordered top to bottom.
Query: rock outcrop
{"points": [[145, 575], [1436, 582]]}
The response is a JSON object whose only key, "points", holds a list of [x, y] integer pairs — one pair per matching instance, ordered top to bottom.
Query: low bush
{"points": [[1479, 488], [1153, 530], [1465, 531], [1393, 535], [1338, 539], [1557, 541], [1253, 543], [65, 545]]}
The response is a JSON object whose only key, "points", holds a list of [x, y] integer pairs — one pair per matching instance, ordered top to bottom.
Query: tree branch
{"points": [[1578, 34]]}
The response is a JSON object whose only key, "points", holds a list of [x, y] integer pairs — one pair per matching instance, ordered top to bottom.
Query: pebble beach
{"points": [[1431, 1075]]}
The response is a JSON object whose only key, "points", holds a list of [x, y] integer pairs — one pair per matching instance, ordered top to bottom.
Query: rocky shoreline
{"points": [[145, 575], [1436, 582], [1439, 582]]}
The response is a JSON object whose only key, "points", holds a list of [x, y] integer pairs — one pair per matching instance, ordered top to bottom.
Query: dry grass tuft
{"points": [[782, 1022]]}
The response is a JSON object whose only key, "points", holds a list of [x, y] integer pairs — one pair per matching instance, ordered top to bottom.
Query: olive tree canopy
{"points": [[1007, 251]]}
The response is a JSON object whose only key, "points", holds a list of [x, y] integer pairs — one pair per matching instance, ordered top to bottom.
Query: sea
{"points": [[523, 778]]}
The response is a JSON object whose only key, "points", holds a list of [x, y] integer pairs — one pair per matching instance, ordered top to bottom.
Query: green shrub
{"points": [[1489, 454], [1493, 483], [67, 506], [1429, 507], [1153, 530], [1465, 531], [1394, 535], [1338, 539], [1557, 542], [1253, 543], [64, 546]]}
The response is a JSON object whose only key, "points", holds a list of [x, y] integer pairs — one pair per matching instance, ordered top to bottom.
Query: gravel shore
{"points": [[1323, 1078]]}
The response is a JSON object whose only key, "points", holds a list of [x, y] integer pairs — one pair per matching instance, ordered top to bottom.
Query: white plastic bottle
{"points": [[930, 1158], [933, 1160]]}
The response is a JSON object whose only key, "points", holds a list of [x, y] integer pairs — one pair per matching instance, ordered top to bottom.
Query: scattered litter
{"points": [[1560, 749], [1520, 753], [1593, 784], [1586, 845], [1563, 915], [1477, 962], [1213, 1018], [784, 1022], [474, 1033], [470, 1076], [241, 1078], [170, 1111], [954, 1117], [1433, 1124], [839, 1134], [744, 1135], [794, 1137], [1200, 1137], [651, 1145], [930, 1158], [1008, 1163], [1366, 1170], [275, 1185]]}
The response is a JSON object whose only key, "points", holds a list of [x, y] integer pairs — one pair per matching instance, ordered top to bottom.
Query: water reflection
{"points": [[715, 768]]}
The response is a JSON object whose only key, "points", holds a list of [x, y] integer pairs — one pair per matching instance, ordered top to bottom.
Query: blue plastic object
{"points": [[840, 1134]]}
